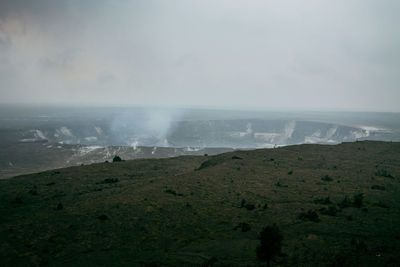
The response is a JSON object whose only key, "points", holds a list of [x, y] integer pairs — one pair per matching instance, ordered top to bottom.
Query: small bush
{"points": [[236, 157], [117, 159], [206, 164], [290, 172], [383, 173], [326, 178], [110, 180], [278, 184], [378, 187], [358, 200], [323, 201], [345, 203], [382, 205], [59, 206], [249, 206], [330, 211], [310, 215], [103, 217], [244, 227], [270, 243], [209, 262]]}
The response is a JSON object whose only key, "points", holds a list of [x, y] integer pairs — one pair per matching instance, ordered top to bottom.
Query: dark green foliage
{"points": [[236, 157], [117, 159], [206, 164], [290, 172], [383, 173], [326, 178], [110, 180], [278, 184], [378, 187], [33, 192], [173, 192], [18, 200], [358, 200], [323, 201], [346, 202], [382, 205], [59, 206], [249, 206], [330, 211], [310, 215], [103, 217], [244, 227], [270, 243], [358, 245], [209, 262]]}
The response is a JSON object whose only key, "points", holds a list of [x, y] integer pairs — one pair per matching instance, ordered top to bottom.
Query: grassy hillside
{"points": [[335, 205]]}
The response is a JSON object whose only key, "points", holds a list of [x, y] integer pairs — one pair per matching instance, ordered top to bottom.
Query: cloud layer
{"points": [[246, 54]]}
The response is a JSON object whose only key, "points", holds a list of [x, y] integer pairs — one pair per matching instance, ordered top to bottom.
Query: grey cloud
{"points": [[264, 54]]}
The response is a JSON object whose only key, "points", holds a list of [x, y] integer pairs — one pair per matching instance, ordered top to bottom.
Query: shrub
{"points": [[236, 157], [117, 159], [206, 164], [290, 172], [383, 173], [326, 178], [110, 180], [378, 187], [358, 200], [323, 201], [345, 203], [382, 204], [249, 206], [330, 211], [310, 215], [103, 217], [244, 227], [270, 243]]}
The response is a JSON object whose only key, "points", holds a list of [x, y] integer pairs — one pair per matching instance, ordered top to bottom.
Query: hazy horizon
{"points": [[255, 55]]}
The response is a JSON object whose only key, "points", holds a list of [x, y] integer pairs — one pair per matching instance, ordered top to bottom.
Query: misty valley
{"points": [[34, 138]]}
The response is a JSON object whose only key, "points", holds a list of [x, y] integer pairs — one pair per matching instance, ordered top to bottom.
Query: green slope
{"points": [[189, 211]]}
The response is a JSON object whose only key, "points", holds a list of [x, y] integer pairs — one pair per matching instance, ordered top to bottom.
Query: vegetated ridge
{"points": [[334, 205]]}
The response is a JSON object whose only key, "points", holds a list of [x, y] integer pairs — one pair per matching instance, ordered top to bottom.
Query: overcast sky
{"points": [[294, 54]]}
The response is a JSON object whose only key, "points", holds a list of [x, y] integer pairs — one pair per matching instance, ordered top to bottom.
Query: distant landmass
{"points": [[34, 138]]}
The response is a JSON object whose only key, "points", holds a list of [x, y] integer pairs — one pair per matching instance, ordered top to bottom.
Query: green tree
{"points": [[270, 243]]}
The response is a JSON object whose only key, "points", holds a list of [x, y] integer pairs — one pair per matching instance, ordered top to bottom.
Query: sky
{"points": [[271, 54]]}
